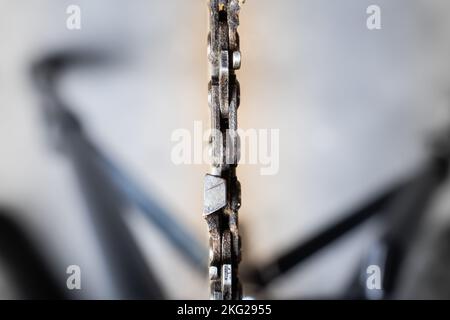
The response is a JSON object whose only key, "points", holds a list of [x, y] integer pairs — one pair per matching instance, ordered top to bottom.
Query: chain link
{"points": [[222, 193]]}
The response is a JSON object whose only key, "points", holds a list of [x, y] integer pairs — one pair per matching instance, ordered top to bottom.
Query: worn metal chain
{"points": [[222, 193]]}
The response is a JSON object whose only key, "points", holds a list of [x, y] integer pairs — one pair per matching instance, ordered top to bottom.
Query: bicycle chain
{"points": [[222, 194]]}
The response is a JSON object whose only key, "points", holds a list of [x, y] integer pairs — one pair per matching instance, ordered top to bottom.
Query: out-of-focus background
{"points": [[356, 110]]}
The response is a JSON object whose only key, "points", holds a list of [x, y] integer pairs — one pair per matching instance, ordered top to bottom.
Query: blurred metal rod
{"points": [[62, 120], [401, 226], [174, 232], [262, 276]]}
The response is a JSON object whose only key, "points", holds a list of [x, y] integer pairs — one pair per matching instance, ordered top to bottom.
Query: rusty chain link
{"points": [[222, 194]]}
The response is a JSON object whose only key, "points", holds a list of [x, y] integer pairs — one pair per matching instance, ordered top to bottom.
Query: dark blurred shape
{"points": [[63, 121], [402, 208], [401, 225], [292, 258], [130, 273], [30, 274], [434, 280]]}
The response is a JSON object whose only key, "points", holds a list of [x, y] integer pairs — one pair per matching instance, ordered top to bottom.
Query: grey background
{"points": [[354, 107]]}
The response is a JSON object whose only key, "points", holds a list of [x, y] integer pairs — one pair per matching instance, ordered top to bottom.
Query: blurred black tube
{"points": [[45, 74], [401, 224], [178, 236], [129, 271], [29, 272], [264, 275]]}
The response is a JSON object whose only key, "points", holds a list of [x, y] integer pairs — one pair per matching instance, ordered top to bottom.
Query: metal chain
{"points": [[222, 193]]}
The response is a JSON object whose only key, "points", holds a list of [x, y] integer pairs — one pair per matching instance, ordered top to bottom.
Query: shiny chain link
{"points": [[222, 193]]}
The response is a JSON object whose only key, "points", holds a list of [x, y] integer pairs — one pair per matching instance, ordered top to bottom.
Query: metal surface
{"points": [[222, 189]]}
